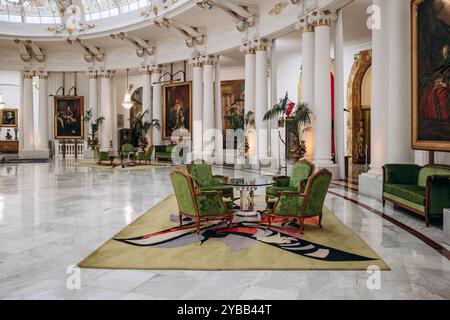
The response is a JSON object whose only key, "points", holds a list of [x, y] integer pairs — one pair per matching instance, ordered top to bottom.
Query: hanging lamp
{"points": [[127, 103]]}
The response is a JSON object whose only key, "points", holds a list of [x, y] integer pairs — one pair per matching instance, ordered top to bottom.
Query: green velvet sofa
{"points": [[164, 152], [423, 190]]}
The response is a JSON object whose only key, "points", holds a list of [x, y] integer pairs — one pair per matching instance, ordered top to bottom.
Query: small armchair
{"points": [[126, 151], [145, 156], [104, 159], [301, 171], [202, 173], [202, 206], [300, 206]]}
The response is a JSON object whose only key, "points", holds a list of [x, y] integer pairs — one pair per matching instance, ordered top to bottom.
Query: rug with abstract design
{"points": [[155, 242]]}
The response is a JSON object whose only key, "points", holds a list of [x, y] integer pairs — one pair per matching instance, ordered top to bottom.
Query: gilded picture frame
{"points": [[177, 109], [68, 117], [9, 118], [430, 122]]}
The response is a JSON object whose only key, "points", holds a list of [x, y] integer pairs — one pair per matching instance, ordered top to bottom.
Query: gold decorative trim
{"points": [[278, 8]]}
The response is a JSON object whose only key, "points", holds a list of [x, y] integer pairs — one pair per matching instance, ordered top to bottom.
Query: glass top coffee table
{"points": [[246, 188]]}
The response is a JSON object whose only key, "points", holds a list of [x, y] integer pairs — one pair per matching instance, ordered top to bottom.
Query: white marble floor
{"points": [[53, 215]]}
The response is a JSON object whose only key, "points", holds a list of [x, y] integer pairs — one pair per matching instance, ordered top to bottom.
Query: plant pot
{"points": [[298, 150]]}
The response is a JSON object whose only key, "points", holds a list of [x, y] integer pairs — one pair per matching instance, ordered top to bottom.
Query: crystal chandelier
{"points": [[127, 103]]}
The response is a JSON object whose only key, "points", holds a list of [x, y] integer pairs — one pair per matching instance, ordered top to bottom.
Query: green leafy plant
{"points": [[301, 116], [94, 126], [140, 126]]}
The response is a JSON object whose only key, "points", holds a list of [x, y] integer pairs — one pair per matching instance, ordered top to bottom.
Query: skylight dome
{"points": [[46, 11]]}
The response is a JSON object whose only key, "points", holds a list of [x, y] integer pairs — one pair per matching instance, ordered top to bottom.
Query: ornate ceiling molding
{"points": [[244, 16], [315, 18], [73, 20], [194, 36], [143, 47], [28, 49], [91, 52]]}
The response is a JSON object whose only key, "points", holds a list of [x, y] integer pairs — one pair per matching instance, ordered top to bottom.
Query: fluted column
{"points": [[308, 45], [250, 69], [380, 89], [322, 90], [93, 94], [147, 96], [208, 96], [261, 96], [157, 103], [197, 107], [105, 111], [28, 114], [218, 116], [399, 124], [42, 138]]}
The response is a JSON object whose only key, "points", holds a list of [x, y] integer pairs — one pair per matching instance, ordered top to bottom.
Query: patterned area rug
{"points": [[155, 242]]}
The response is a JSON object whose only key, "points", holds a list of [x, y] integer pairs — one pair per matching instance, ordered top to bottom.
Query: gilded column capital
{"points": [[323, 18], [304, 24], [261, 44], [247, 47], [207, 59], [196, 62], [155, 68], [146, 70], [28, 74], [42, 74], [92, 74], [105, 74]]}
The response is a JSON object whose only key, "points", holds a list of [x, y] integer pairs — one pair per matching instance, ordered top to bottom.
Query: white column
{"points": [[308, 46], [250, 67], [261, 87], [380, 90], [322, 93], [93, 94], [208, 96], [339, 96], [147, 97], [157, 104], [197, 106], [105, 110], [218, 116], [28, 117], [399, 123], [274, 129], [42, 139]]}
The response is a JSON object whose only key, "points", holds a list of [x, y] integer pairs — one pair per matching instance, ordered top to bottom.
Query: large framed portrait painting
{"points": [[430, 74], [177, 110], [69, 112], [9, 118]]}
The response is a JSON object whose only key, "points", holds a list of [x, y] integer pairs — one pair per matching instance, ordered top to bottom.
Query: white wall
{"points": [[288, 75], [10, 90]]}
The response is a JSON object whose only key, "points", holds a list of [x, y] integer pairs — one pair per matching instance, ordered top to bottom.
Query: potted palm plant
{"points": [[299, 115], [94, 126], [140, 127]]}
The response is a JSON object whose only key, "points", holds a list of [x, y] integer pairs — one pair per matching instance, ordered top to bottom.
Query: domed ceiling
{"points": [[47, 12]]}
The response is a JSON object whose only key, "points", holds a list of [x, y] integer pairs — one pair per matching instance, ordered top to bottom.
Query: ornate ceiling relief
{"points": [[244, 16], [73, 20], [194, 35], [143, 47], [29, 49], [92, 53]]}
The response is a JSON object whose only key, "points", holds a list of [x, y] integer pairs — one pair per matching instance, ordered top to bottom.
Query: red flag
{"points": [[290, 109]]}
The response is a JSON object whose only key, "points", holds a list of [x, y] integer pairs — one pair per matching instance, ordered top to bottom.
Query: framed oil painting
{"points": [[430, 74], [233, 98], [177, 109], [69, 112], [9, 118]]}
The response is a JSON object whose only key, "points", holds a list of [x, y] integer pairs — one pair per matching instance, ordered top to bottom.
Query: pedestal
{"points": [[371, 185]]}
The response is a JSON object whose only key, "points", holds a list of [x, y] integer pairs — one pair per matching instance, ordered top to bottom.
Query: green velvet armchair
{"points": [[126, 151], [145, 156], [104, 158], [202, 173], [296, 183], [423, 190], [202, 206], [300, 206]]}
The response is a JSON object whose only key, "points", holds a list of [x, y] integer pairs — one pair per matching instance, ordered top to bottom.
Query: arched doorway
{"points": [[359, 105]]}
